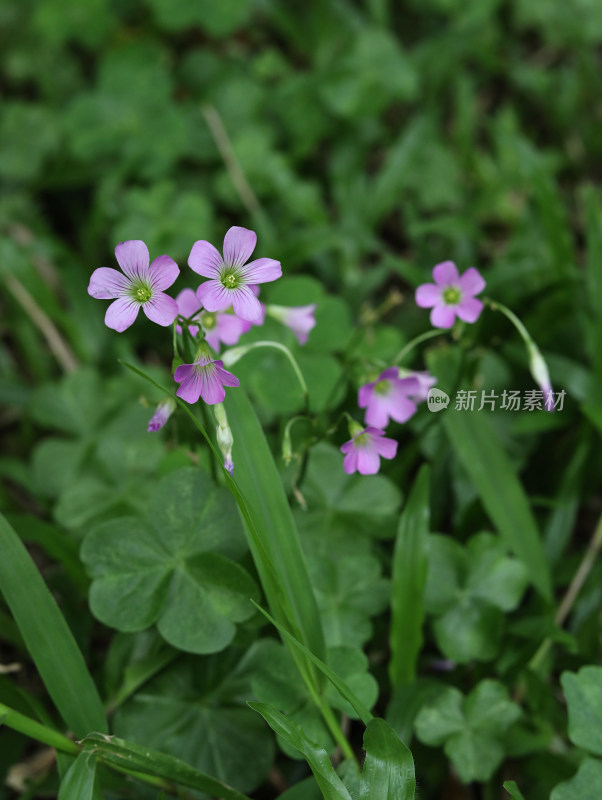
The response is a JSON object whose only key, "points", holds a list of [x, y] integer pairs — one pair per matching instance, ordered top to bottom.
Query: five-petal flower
{"points": [[231, 277], [139, 286], [451, 295], [204, 378], [365, 449]]}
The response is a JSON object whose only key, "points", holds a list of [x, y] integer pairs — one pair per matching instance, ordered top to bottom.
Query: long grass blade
{"points": [[48, 638]]}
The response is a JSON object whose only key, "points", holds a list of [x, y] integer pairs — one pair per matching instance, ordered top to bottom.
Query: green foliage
{"points": [[364, 142], [173, 566], [469, 590], [470, 728], [216, 733]]}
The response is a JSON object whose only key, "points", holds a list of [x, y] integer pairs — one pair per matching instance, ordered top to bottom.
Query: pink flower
{"points": [[231, 277], [139, 286], [451, 295], [300, 319], [217, 326], [205, 378], [425, 380], [388, 397], [162, 413], [364, 451]]}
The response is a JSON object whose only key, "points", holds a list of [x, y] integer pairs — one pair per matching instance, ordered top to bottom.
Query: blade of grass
{"points": [[259, 481], [408, 579], [48, 638], [338, 683], [135, 758], [388, 772], [78, 783], [331, 786]]}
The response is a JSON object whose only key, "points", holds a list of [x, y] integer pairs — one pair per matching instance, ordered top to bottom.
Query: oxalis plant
{"points": [[247, 580]]}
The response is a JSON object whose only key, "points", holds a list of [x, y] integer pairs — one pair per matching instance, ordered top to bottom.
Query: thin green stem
{"points": [[494, 305], [414, 343], [232, 356], [571, 594], [35, 730]]}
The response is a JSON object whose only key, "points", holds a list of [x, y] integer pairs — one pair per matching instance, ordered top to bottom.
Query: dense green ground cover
{"points": [[365, 142]]}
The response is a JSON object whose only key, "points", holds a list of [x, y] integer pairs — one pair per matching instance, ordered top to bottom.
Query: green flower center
{"points": [[230, 278], [141, 292], [451, 296], [208, 320], [382, 387], [361, 440]]}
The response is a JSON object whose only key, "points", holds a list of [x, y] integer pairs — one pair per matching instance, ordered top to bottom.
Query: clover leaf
{"points": [[353, 504], [173, 566], [469, 589], [583, 692], [196, 710], [470, 728]]}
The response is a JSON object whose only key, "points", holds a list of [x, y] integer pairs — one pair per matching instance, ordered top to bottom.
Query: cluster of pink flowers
{"points": [[227, 305], [221, 310], [395, 395]]}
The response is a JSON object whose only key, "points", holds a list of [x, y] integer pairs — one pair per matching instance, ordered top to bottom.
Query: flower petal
{"points": [[239, 244], [132, 256], [205, 259], [262, 270], [163, 272], [445, 274], [471, 282], [107, 284], [428, 295], [214, 296], [188, 303], [246, 305], [161, 309], [470, 309], [121, 314], [443, 316], [229, 328], [183, 372], [227, 378], [190, 389], [212, 390], [364, 394], [399, 406], [377, 412], [385, 447], [350, 461], [368, 462]]}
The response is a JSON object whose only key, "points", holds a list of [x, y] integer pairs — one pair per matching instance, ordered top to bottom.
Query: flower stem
{"points": [[494, 305], [414, 343], [231, 356], [571, 594]]}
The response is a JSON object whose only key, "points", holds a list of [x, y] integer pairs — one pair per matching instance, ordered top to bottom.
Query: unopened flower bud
{"points": [[162, 413], [225, 440]]}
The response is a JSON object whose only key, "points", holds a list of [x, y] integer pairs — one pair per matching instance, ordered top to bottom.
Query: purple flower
{"points": [[231, 277], [139, 286], [451, 295], [300, 319], [217, 326], [205, 378], [425, 380], [388, 397], [162, 413], [364, 451]]}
